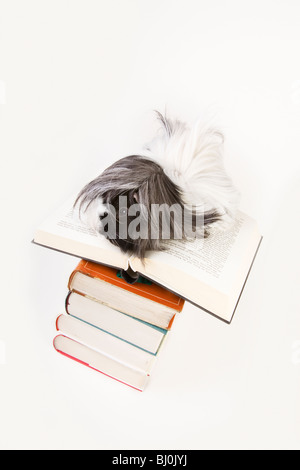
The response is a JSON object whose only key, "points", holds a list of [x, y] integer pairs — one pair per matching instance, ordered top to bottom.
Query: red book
{"points": [[100, 362]]}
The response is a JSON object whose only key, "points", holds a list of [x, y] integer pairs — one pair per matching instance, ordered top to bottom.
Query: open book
{"points": [[210, 273]]}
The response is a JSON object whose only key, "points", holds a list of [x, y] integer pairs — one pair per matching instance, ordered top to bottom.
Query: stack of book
{"points": [[210, 273], [113, 326]]}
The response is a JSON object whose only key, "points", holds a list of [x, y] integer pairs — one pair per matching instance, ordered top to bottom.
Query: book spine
{"points": [[79, 269], [71, 279], [67, 301], [168, 328]]}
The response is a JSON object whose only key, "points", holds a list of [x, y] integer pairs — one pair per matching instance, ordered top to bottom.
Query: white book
{"points": [[134, 331], [110, 346], [100, 362]]}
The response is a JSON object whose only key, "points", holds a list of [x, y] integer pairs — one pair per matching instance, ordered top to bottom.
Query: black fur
{"points": [[143, 182]]}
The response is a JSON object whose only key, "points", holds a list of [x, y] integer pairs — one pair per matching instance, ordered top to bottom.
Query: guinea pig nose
{"points": [[102, 216]]}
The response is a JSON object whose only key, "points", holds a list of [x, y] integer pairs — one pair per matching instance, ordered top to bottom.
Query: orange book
{"points": [[149, 290], [144, 300]]}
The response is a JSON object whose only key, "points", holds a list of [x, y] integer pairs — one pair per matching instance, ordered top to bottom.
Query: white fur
{"points": [[192, 157], [91, 216]]}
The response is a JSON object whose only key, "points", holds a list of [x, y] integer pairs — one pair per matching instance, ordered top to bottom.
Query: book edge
{"points": [[246, 279]]}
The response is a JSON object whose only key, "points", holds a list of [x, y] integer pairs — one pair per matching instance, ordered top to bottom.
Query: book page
{"points": [[70, 222], [64, 231], [210, 254], [215, 260]]}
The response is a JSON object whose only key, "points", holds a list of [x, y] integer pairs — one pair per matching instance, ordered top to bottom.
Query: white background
{"points": [[78, 82]]}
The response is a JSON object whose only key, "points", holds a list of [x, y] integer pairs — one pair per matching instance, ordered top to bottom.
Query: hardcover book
{"points": [[146, 301], [126, 327], [106, 344], [100, 362]]}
